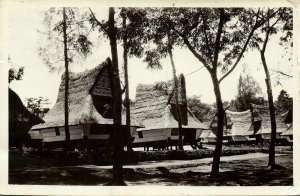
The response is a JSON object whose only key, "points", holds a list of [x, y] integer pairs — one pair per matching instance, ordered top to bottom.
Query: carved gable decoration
{"points": [[103, 86], [181, 91]]}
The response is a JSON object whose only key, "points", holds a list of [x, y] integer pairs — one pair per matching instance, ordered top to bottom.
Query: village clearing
{"points": [[236, 170]]}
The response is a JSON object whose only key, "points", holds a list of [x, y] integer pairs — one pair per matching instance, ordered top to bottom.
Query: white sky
{"points": [[37, 81]]}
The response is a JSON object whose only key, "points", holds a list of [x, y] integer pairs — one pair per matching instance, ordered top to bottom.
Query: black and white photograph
{"points": [[166, 95]]}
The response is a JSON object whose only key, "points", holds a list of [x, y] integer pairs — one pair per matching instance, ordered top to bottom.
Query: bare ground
{"points": [[238, 170]]}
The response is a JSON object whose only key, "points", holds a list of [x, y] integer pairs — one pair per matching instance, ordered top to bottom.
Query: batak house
{"points": [[155, 107], [90, 111], [261, 114], [288, 120], [238, 128]]}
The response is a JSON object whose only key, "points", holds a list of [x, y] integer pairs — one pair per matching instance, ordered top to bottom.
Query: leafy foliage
{"points": [[78, 30], [14, 73], [248, 92], [284, 102], [37, 106], [202, 111]]}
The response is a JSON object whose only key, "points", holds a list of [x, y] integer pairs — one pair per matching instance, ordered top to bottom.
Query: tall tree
{"points": [[279, 19], [131, 34], [164, 38], [218, 38], [66, 39], [249, 92], [117, 96], [284, 102], [37, 106]]}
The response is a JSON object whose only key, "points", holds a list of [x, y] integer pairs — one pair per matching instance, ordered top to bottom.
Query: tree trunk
{"points": [[117, 98], [127, 102], [272, 112], [220, 115], [67, 132], [180, 142]]}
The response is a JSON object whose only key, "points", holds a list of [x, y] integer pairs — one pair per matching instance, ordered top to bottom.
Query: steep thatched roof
{"points": [[153, 106], [82, 108], [18, 112], [262, 112], [241, 123], [226, 128], [288, 131]]}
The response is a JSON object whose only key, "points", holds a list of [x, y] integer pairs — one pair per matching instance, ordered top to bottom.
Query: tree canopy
{"points": [[78, 29], [249, 92]]}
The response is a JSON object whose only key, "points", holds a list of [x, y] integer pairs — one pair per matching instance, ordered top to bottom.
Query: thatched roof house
{"points": [[90, 103], [81, 105], [155, 108], [261, 113], [288, 119], [20, 120], [227, 124], [238, 126]]}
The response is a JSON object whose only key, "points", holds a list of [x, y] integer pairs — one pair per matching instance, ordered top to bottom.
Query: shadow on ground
{"points": [[252, 172]]}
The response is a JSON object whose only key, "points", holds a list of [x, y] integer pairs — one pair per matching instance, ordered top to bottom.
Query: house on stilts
{"points": [[155, 107], [90, 111], [261, 114], [288, 120], [239, 127], [243, 127]]}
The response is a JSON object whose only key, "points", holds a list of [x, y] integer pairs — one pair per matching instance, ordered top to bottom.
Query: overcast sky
{"points": [[38, 81]]}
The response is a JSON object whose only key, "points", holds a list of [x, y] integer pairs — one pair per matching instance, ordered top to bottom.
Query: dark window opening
{"points": [[99, 130], [57, 132], [174, 132], [140, 133]]}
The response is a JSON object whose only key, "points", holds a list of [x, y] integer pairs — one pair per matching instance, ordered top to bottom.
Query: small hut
{"points": [[155, 107], [90, 111], [261, 113], [288, 120], [20, 121]]}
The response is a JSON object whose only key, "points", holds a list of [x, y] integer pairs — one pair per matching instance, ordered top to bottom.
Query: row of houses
{"points": [[154, 120], [251, 126]]}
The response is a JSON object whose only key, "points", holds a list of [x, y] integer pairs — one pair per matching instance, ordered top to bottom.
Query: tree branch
{"points": [[93, 15], [256, 26], [206, 38], [218, 38], [198, 56], [240, 56], [282, 73]]}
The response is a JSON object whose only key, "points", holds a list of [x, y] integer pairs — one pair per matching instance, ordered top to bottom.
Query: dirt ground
{"points": [[238, 170]]}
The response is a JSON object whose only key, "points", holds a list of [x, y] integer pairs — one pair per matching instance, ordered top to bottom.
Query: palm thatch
{"points": [[153, 106], [82, 109], [261, 112], [241, 123], [227, 125], [288, 131]]}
